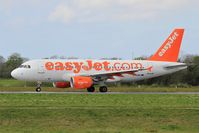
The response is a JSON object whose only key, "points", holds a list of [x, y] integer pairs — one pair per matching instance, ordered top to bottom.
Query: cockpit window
{"points": [[25, 66]]}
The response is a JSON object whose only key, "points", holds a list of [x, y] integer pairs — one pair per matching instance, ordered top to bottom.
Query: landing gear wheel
{"points": [[38, 89], [91, 89], [103, 89]]}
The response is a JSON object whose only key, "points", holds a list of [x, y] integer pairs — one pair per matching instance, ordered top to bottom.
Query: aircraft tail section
{"points": [[169, 51]]}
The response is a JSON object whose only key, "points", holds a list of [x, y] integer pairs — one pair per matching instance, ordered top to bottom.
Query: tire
{"points": [[38, 89], [91, 89], [103, 89]]}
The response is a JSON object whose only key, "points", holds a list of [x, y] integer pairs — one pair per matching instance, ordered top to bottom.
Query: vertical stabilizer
{"points": [[169, 51]]}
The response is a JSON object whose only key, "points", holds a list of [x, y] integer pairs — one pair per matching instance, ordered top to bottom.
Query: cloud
{"points": [[93, 4], [10, 5], [111, 10], [66, 11], [15, 13], [62, 13]]}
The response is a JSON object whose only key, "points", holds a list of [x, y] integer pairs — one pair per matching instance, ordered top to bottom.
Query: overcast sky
{"points": [[95, 28]]}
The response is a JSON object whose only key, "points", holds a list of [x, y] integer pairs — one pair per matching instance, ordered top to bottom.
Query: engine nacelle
{"points": [[80, 82], [61, 84]]}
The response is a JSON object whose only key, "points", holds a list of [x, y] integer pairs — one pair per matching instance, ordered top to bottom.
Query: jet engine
{"points": [[80, 82]]}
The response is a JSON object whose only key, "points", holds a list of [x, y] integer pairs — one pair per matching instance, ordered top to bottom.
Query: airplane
{"points": [[86, 74]]}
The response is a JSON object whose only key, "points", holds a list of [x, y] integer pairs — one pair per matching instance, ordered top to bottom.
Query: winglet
{"points": [[169, 50]]}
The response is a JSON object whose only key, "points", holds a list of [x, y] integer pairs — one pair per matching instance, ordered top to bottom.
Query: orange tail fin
{"points": [[169, 51]]}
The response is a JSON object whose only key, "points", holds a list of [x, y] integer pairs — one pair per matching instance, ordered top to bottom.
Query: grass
{"points": [[11, 82], [15, 85], [83, 113]]}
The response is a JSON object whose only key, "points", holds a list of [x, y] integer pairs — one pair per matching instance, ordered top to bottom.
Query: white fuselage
{"points": [[49, 70]]}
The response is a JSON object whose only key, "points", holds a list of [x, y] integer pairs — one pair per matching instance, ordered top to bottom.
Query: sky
{"points": [[95, 28]]}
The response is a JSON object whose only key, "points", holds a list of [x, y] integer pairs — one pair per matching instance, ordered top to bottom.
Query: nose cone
{"points": [[14, 74]]}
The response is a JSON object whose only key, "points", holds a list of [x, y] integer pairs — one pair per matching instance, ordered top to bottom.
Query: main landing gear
{"points": [[38, 89], [91, 89], [101, 89]]}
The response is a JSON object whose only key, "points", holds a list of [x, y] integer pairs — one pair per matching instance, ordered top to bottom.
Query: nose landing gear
{"points": [[38, 89]]}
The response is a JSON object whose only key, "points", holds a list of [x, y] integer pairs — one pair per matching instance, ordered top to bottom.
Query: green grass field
{"points": [[15, 85], [85, 113]]}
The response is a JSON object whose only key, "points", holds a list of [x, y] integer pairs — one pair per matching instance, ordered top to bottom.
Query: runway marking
{"points": [[133, 93]]}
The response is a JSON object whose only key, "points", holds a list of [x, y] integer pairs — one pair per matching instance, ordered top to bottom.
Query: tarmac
{"points": [[107, 93]]}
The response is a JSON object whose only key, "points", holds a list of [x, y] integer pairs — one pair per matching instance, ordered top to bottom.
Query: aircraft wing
{"points": [[109, 75]]}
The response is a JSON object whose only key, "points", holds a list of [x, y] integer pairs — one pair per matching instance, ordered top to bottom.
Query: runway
{"points": [[107, 93]]}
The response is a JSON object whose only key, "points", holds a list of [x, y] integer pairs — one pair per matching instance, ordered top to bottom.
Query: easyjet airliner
{"points": [[85, 74]]}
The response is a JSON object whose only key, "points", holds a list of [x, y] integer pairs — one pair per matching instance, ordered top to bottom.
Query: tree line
{"points": [[9, 64], [190, 76]]}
